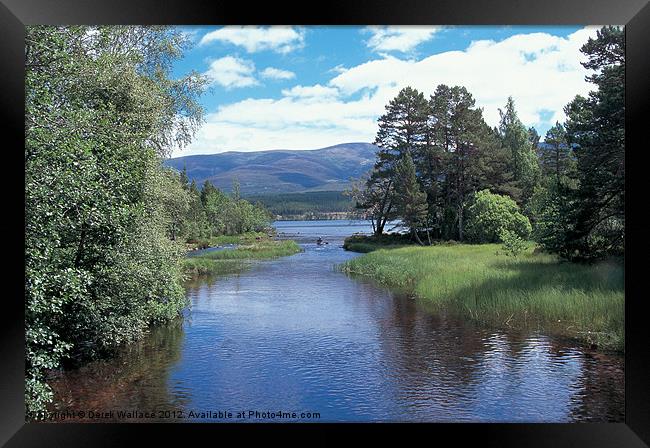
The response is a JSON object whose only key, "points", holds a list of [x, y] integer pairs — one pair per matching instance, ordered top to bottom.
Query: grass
{"points": [[244, 238], [255, 251], [232, 260], [197, 266], [582, 301]]}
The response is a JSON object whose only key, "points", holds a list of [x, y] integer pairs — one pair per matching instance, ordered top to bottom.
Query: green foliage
{"points": [[596, 126], [517, 139], [454, 153], [558, 161], [411, 201], [316, 203], [101, 213], [490, 215], [232, 216], [364, 243], [513, 244]]}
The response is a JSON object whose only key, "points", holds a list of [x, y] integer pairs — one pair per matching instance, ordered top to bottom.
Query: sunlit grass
{"points": [[220, 240], [255, 251], [197, 266], [584, 301]]}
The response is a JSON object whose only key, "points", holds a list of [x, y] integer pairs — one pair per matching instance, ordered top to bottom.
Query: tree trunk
{"points": [[460, 222], [417, 237]]}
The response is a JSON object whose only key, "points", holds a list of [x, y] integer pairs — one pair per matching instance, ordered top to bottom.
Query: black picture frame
{"points": [[16, 14]]}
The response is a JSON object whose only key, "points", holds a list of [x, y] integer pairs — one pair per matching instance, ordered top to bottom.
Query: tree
{"points": [[101, 112], [402, 128], [596, 128], [517, 139], [470, 156], [556, 158], [374, 194], [411, 201], [492, 216]]}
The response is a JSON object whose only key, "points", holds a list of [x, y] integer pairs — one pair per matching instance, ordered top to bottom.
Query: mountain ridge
{"points": [[280, 170]]}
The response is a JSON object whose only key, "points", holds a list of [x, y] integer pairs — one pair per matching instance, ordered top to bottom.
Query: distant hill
{"points": [[281, 171]]}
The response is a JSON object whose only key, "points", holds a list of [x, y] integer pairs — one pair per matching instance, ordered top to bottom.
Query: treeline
{"points": [[448, 175], [317, 202], [210, 212], [102, 254]]}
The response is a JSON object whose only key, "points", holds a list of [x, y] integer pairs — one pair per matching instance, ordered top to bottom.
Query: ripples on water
{"points": [[296, 335]]}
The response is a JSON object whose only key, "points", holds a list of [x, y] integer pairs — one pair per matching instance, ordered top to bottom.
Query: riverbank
{"points": [[216, 241], [370, 243], [230, 260], [585, 302]]}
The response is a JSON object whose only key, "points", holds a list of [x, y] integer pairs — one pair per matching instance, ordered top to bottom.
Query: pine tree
{"points": [[596, 126], [402, 128], [517, 139], [556, 157], [411, 200]]}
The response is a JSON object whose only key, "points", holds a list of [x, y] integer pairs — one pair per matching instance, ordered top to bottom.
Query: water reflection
{"points": [[294, 334], [137, 378]]}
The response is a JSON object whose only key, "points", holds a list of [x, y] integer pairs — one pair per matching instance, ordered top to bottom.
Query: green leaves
{"points": [[101, 109], [490, 216]]}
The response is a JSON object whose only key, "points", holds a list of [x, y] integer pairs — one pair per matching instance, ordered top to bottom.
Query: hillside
{"points": [[281, 171], [308, 205]]}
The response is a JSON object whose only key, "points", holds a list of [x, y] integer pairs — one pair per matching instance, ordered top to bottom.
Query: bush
{"points": [[491, 214], [512, 244]]}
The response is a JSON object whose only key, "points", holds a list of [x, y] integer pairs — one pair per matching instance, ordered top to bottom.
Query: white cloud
{"points": [[398, 38], [281, 39], [231, 72], [542, 72], [276, 73], [315, 91]]}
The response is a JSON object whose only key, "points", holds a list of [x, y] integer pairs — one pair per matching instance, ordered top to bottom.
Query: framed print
{"points": [[261, 217]]}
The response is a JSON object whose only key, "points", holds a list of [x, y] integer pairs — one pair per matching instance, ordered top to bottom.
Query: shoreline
{"points": [[582, 302]]}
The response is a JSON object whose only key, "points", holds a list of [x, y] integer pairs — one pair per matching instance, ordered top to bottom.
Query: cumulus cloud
{"points": [[398, 38], [280, 39], [541, 71], [231, 72], [276, 73], [315, 91]]}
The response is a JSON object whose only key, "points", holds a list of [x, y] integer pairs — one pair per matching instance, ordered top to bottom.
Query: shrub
{"points": [[491, 214], [513, 245]]}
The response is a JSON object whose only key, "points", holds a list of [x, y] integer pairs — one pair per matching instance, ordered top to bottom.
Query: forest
{"points": [[447, 175]]}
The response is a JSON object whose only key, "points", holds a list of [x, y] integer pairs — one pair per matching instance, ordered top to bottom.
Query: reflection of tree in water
{"points": [[431, 355], [447, 368], [137, 378], [603, 394]]}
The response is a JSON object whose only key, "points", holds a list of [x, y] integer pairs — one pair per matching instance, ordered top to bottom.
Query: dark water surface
{"points": [[294, 335]]}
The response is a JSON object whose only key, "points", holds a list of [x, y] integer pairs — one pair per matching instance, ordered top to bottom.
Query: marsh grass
{"points": [[244, 238], [255, 251], [229, 261], [197, 267], [582, 301]]}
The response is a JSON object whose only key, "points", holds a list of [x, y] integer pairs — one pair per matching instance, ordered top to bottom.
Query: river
{"points": [[294, 335]]}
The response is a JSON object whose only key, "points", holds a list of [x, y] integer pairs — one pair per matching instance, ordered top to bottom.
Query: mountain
{"points": [[281, 171]]}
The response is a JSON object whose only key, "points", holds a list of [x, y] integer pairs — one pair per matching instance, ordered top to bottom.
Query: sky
{"points": [[316, 86]]}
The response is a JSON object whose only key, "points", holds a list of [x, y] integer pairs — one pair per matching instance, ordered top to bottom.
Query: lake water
{"points": [[294, 335]]}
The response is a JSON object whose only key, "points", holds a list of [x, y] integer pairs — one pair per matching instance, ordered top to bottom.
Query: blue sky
{"points": [[310, 87]]}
